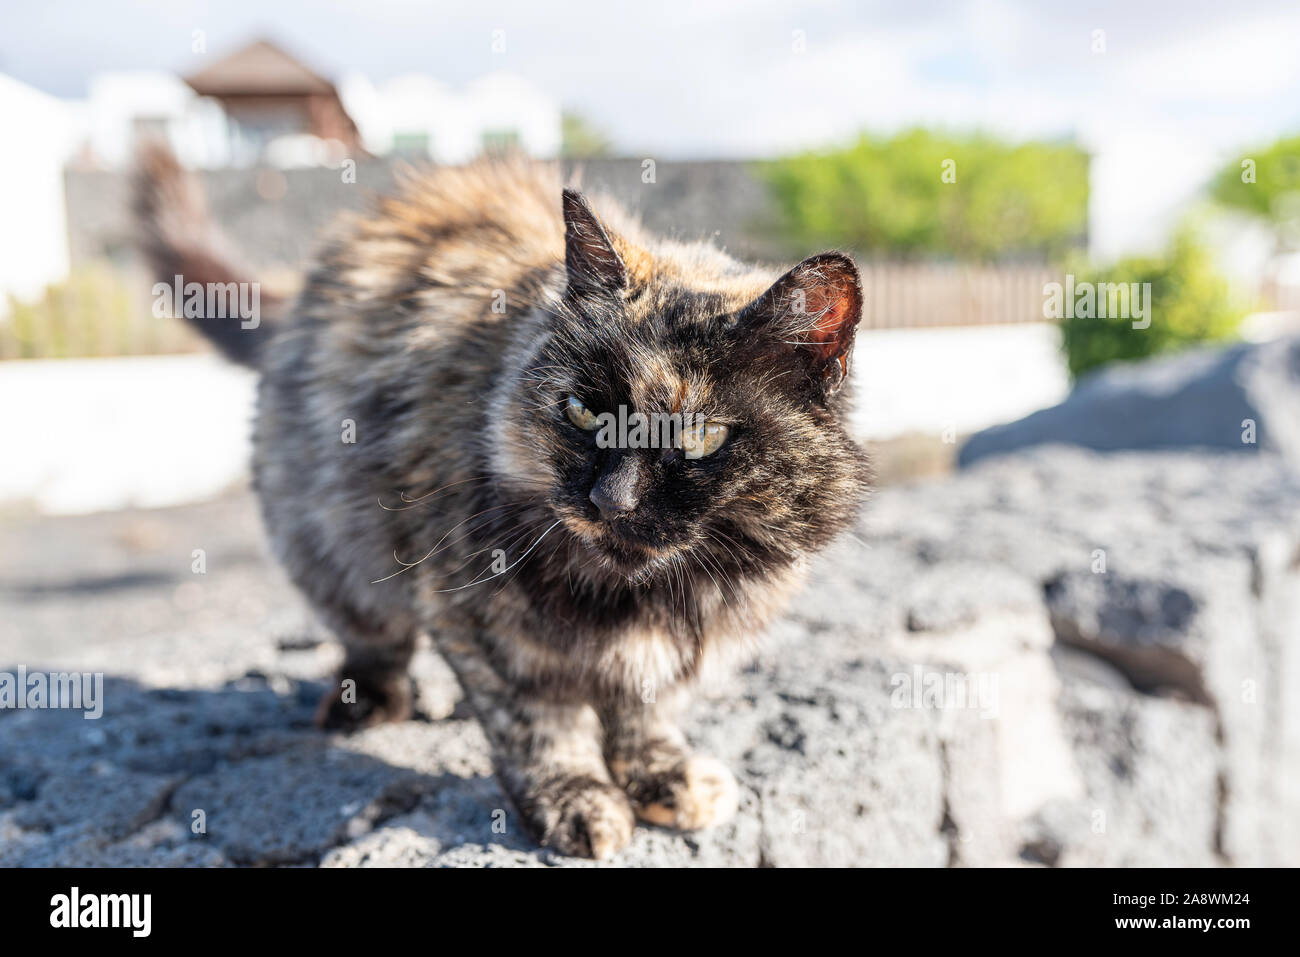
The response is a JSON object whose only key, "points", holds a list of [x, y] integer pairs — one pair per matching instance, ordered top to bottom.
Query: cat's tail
{"points": [[207, 286]]}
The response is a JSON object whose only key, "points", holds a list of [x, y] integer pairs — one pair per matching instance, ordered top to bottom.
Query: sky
{"points": [[1175, 89]]}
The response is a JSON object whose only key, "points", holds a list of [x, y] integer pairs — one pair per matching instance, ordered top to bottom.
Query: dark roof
{"points": [[261, 68]]}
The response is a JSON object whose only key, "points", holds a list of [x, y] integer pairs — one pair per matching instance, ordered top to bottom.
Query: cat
{"points": [[426, 463]]}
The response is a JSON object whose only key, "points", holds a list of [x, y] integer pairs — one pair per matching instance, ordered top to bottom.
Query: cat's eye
{"points": [[580, 415], [704, 439]]}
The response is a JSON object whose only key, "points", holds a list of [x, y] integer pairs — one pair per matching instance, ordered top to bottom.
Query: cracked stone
{"points": [[293, 807]]}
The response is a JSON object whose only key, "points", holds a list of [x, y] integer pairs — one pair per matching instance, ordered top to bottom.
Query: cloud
{"points": [[720, 77]]}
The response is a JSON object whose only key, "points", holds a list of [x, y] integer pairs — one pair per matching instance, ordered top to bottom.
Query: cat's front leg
{"points": [[373, 685], [549, 757], [553, 766], [668, 783]]}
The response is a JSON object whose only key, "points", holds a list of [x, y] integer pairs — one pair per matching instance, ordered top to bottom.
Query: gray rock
{"points": [[1196, 399], [1142, 626], [1167, 730], [1151, 770], [843, 777], [124, 801], [292, 808], [76, 848]]}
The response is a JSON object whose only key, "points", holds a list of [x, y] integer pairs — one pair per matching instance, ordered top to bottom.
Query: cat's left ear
{"points": [[593, 264], [815, 309]]}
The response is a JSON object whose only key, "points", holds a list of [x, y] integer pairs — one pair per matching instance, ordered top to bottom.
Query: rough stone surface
{"points": [[1198, 399], [1055, 658], [1150, 782]]}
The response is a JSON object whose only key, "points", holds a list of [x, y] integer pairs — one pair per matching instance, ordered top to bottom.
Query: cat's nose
{"points": [[617, 489]]}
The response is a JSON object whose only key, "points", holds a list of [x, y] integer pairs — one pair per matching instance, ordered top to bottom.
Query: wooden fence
{"points": [[924, 295], [1279, 296], [100, 311]]}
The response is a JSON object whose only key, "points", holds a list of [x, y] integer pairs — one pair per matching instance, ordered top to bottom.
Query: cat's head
{"points": [[743, 461]]}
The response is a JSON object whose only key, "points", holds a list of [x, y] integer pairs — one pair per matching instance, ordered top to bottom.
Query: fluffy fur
{"points": [[448, 329]]}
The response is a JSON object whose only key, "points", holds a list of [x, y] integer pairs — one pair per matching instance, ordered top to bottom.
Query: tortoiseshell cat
{"points": [[469, 332]]}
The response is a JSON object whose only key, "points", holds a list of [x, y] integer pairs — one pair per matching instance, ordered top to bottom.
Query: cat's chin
{"points": [[616, 556], [630, 563], [637, 573]]}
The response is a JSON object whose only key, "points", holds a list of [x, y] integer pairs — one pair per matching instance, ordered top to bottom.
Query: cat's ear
{"points": [[592, 262], [814, 309]]}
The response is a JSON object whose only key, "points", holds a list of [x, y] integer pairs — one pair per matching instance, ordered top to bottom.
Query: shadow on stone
{"points": [[236, 775]]}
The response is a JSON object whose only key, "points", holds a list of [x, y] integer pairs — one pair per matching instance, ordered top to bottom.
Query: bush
{"points": [[580, 139], [1270, 189], [891, 197], [1189, 303], [96, 311]]}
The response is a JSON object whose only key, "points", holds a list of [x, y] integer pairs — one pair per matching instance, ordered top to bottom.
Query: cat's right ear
{"points": [[593, 264], [812, 313]]}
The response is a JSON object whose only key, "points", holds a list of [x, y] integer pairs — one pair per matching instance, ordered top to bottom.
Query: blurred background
{"points": [[968, 153], [1137, 595]]}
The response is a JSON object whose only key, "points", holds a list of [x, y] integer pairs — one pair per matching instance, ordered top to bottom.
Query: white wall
{"points": [[504, 101], [454, 122], [194, 126], [33, 220], [33, 225], [962, 378], [143, 431], [120, 446]]}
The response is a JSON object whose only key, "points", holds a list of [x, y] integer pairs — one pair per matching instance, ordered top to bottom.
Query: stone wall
{"points": [[276, 217], [1242, 399], [1148, 608], [1054, 658]]}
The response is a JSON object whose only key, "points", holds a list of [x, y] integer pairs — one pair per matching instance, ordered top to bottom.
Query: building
{"points": [[269, 96], [256, 106], [262, 106], [122, 108], [415, 115], [33, 235]]}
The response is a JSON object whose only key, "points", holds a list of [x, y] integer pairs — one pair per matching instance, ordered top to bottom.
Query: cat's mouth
{"points": [[616, 548]]}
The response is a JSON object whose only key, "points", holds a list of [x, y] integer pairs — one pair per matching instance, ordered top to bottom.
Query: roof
{"points": [[261, 68]]}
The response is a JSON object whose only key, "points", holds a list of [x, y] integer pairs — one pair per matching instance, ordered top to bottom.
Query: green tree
{"points": [[579, 139], [1266, 184], [921, 193], [1189, 303]]}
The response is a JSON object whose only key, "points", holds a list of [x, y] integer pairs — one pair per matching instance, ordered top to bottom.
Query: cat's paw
{"points": [[365, 702], [694, 793], [586, 818]]}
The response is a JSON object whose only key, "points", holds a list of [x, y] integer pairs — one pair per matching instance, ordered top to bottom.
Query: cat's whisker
{"points": [[541, 406], [410, 502], [487, 522], [520, 533], [712, 534], [559, 543], [439, 544], [745, 554], [704, 569], [727, 579], [681, 583], [440, 591]]}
